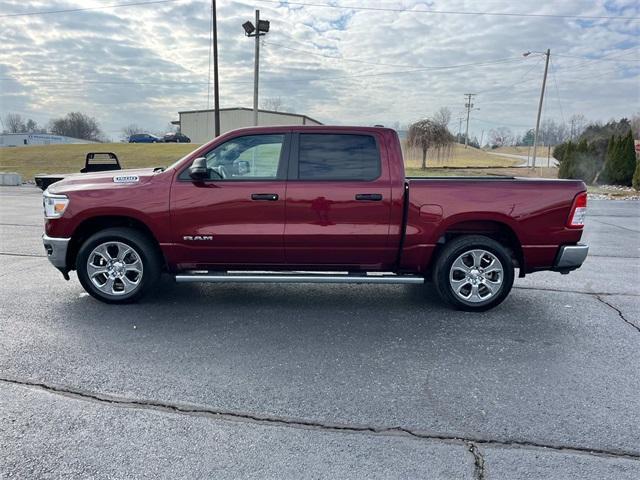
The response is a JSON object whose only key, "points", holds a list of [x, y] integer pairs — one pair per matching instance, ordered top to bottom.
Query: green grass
{"points": [[518, 150], [459, 157], [30, 161], [483, 172]]}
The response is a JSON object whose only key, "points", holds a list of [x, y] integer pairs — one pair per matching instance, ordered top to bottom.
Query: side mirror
{"points": [[243, 167], [198, 169]]}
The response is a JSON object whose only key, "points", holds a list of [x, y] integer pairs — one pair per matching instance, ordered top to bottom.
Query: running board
{"points": [[296, 278]]}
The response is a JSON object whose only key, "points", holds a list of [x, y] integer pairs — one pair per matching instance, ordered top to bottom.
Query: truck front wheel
{"points": [[118, 265], [473, 273]]}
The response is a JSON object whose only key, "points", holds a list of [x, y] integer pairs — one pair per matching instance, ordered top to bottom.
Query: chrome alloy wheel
{"points": [[114, 268], [476, 276]]}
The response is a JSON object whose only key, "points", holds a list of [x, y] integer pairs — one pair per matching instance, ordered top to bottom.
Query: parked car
{"points": [[176, 137], [144, 138], [272, 202]]}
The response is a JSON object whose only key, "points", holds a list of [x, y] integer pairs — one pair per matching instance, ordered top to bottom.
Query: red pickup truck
{"points": [[310, 204]]}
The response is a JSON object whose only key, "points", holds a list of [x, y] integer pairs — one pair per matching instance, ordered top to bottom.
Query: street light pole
{"points": [[258, 30], [256, 71], [544, 83], [216, 94]]}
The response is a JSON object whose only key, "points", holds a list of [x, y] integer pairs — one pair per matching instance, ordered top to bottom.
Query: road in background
{"points": [[526, 161], [321, 381]]}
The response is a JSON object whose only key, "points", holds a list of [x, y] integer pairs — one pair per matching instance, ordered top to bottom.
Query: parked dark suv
{"points": [[143, 138], [176, 138]]}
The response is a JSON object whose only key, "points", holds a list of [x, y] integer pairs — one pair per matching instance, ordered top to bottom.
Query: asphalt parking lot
{"points": [[317, 381]]}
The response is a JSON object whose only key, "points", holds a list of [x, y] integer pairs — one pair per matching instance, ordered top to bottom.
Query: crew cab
{"points": [[310, 204]]}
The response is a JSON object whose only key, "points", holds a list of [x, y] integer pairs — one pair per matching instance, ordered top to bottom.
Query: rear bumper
{"points": [[56, 249], [570, 257]]}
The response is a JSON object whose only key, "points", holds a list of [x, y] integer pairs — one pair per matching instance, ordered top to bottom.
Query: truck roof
{"points": [[312, 128]]}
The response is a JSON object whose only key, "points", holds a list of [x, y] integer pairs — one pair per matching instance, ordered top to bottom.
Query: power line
{"points": [[84, 9], [450, 12], [308, 52], [610, 56], [591, 59], [523, 79], [555, 82], [180, 83]]}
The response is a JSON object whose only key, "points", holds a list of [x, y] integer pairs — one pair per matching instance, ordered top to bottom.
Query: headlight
{"points": [[54, 205]]}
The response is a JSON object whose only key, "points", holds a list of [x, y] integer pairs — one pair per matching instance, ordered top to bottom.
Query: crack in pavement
{"points": [[21, 225], [618, 226], [12, 254], [580, 292], [629, 322], [193, 410], [478, 461]]}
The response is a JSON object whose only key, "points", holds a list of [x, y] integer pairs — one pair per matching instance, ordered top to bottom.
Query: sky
{"points": [[392, 62]]}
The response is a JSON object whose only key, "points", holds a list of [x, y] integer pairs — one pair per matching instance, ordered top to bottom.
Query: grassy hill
{"points": [[459, 157], [29, 161]]}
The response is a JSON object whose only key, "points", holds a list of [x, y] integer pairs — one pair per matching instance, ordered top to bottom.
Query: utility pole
{"points": [[258, 30], [256, 72], [544, 83], [216, 93], [469, 106], [459, 127], [481, 138]]}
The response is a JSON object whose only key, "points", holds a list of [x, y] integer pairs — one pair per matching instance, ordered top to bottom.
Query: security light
{"points": [[263, 26], [249, 28], [526, 54]]}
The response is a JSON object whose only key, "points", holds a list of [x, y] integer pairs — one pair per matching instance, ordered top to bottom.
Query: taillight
{"points": [[578, 211]]}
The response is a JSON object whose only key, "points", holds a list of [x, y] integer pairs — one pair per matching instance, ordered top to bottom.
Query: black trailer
{"points": [[94, 162]]}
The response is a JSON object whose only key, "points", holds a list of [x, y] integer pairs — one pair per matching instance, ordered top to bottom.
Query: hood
{"points": [[109, 179]]}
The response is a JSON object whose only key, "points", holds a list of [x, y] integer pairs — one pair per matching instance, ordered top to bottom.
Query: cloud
{"points": [[143, 64]]}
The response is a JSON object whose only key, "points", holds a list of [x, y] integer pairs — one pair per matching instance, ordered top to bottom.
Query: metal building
{"points": [[199, 125], [26, 139]]}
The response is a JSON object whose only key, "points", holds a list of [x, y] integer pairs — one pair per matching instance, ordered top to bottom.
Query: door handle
{"points": [[270, 197], [369, 197]]}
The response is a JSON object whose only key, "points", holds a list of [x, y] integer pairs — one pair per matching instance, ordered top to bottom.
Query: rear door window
{"points": [[325, 156]]}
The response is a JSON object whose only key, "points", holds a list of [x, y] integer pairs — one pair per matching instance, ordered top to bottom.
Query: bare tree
{"points": [[275, 104], [442, 117], [14, 123], [577, 124], [77, 125], [32, 127], [131, 129], [427, 134], [499, 137]]}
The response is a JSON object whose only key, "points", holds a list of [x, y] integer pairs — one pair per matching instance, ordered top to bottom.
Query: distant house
{"points": [[199, 125], [26, 139]]}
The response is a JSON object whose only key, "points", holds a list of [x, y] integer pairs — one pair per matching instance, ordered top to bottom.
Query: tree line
{"points": [[73, 124], [603, 154]]}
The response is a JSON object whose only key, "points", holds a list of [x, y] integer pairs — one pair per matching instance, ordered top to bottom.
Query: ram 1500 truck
{"points": [[310, 204]]}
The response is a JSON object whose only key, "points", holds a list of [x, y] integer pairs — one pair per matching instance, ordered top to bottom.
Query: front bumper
{"points": [[56, 249], [570, 257]]}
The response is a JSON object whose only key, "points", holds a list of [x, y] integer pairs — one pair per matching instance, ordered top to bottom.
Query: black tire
{"points": [[142, 246], [456, 249]]}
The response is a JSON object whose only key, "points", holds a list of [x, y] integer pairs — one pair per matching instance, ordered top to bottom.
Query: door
{"points": [[338, 202], [236, 215]]}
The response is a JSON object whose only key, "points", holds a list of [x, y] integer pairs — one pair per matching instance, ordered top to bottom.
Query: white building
{"points": [[199, 125], [26, 139]]}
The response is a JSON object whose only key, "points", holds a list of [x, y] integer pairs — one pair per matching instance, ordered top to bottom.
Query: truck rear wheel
{"points": [[118, 265], [473, 273]]}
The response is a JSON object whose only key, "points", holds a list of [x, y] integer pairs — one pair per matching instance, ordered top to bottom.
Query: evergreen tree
{"points": [[627, 159], [567, 160], [621, 161], [608, 174]]}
